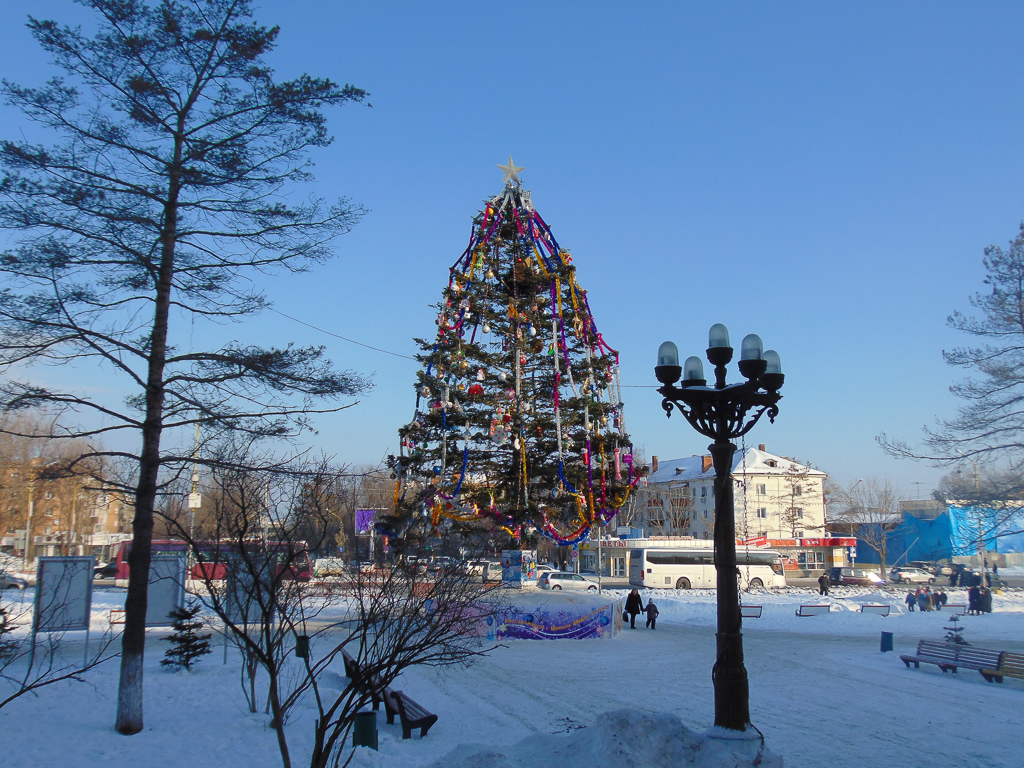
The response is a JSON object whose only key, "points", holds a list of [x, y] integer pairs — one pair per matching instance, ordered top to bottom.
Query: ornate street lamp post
{"points": [[724, 412]]}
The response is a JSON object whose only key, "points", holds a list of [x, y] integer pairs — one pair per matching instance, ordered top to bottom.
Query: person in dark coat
{"points": [[952, 578], [823, 584], [911, 601], [972, 601], [984, 601], [634, 606], [652, 614]]}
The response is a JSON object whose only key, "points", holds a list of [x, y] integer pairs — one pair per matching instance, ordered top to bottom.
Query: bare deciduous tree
{"points": [[870, 511], [251, 553]]}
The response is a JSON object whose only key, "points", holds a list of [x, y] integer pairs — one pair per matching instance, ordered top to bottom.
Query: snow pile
{"points": [[622, 739]]}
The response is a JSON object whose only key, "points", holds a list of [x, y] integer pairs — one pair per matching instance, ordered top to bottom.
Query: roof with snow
{"points": [[754, 462]]}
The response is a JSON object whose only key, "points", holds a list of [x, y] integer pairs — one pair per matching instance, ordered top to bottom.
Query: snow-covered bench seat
{"points": [[957, 609], [812, 610], [878, 610], [750, 611], [950, 656], [1010, 665], [411, 713]]}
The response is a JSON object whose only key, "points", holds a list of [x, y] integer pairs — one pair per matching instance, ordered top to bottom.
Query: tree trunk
{"points": [[133, 642], [278, 723]]}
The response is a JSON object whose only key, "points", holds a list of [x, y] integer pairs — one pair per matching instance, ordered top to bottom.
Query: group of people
{"points": [[926, 600], [979, 601], [635, 606]]}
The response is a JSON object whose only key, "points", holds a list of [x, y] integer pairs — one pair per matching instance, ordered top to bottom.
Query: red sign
{"points": [[756, 541]]}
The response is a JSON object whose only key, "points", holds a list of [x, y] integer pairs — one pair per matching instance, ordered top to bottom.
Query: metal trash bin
{"points": [[886, 641], [364, 729]]}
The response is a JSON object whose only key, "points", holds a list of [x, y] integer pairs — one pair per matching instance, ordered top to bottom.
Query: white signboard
{"points": [[166, 589], [63, 593]]}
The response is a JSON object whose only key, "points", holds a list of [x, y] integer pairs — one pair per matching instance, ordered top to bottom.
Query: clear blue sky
{"points": [[823, 174]]}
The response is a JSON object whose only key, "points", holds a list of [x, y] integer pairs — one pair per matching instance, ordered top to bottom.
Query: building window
{"points": [[14, 475], [762, 489], [798, 490], [704, 492], [14, 494], [49, 494], [48, 511], [762, 512], [798, 513], [705, 514], [799, 534]]}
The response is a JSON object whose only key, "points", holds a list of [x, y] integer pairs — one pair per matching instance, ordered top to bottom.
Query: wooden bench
{"points": [[957, 609], [813, 610], [878, 610], [750, 611], [116, 616], [950, 656], [1010, 665], [363, 683], [395, 702], [411, 714]]}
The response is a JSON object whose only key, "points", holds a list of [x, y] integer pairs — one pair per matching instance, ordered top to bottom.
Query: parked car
{"points": [[442, 564], [329, 566], [485, 569], [542, 569], [935, 569], [105, 571], [909, 575], [835, 576], [860, 577], [556, 580], [10, 581]]}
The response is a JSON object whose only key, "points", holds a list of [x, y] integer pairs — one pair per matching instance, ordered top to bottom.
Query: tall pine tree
{"points": [[518, 428]]}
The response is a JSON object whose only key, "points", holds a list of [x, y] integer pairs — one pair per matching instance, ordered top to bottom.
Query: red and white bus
{"points": [[292, 557]]}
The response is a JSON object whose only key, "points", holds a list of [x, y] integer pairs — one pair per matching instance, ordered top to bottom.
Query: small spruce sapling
{"points": [[954, 634], [187, 645]]}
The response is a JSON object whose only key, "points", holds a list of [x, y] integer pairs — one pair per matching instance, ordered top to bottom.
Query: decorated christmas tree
{"points": [[518, 428]]}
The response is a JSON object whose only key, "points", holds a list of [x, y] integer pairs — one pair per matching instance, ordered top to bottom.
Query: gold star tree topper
{"points": [[511, 171]]}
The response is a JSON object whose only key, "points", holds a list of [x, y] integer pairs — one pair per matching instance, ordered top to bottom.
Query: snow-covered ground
{"points": [[820, 691]]}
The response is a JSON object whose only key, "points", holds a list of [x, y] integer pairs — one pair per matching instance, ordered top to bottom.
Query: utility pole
{"points": [[28, 524]]}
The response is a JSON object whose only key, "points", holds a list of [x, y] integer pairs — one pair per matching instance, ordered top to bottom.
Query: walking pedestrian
{"points": [[823, 584], [911, 601], [634, 606], [652, 614]]}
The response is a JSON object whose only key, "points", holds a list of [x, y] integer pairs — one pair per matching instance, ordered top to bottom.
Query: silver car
{"points": [[908, 575], [556, 580], [9, 581]]}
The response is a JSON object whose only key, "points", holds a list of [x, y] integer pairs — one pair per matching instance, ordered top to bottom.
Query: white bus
{"points": [[693, 568]]}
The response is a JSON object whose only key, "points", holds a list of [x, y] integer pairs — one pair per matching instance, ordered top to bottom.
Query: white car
{"points": [[486, 570], [911, 576], [556, 580]]}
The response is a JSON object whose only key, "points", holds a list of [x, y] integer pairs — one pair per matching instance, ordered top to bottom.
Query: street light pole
{"points": [[724, 412]]}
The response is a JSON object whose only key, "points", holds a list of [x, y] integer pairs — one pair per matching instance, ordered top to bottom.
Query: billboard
{"points": [[364, 520], [166, 588], [63, 593]]}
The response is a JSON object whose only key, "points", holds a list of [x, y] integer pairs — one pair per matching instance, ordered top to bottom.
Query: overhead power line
{"points": [[396, 354]]}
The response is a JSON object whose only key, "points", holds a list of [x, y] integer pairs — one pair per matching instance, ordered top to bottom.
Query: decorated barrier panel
{"points": [[555, 617]]}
